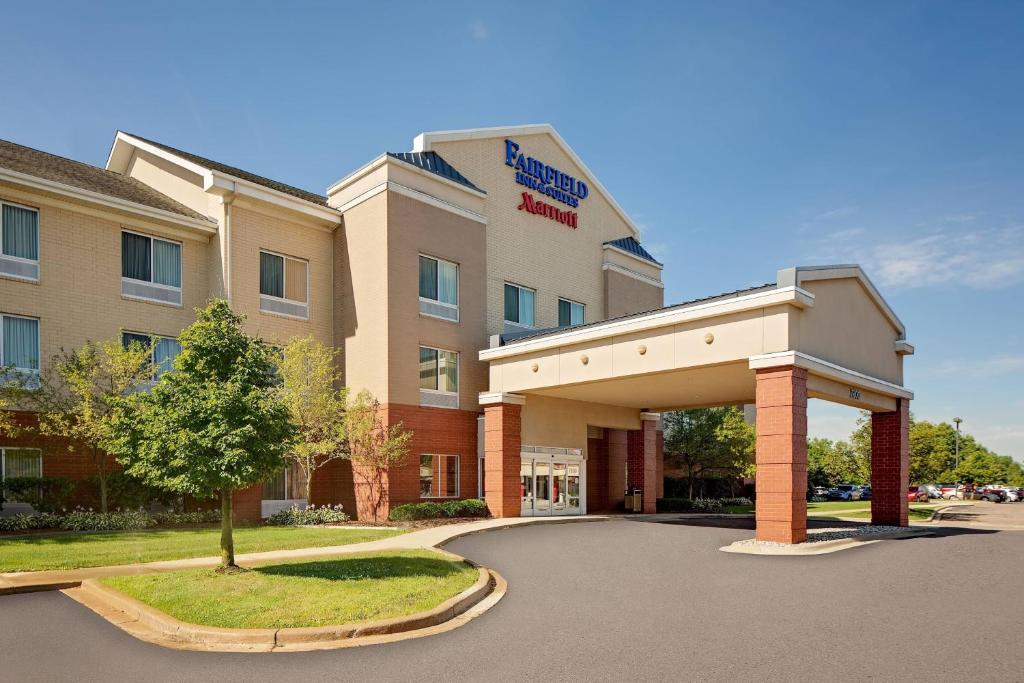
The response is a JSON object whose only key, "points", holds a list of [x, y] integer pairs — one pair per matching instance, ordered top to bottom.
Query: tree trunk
{"points": [[309, 486], [103, 492], [227, 540]]}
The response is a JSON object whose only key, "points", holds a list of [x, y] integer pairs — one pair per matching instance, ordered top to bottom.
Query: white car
{"points": [[933, 490], [1011, 494]]}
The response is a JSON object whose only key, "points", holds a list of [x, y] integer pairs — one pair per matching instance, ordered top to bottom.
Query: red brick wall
{"points": [[503, 446], [618, 453], [890, 466], [597, 475], [333, 484], [781, 508]]}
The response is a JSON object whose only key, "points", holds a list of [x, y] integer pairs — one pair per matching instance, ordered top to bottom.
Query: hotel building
{"points": [[485, 287]]}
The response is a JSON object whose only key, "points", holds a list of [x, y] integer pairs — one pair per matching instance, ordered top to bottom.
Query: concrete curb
{"points": [[821, 547], [154, 626]]}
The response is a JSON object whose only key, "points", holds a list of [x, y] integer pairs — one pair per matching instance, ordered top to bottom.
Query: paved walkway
{"points": [[431, 537], [615, 601]]}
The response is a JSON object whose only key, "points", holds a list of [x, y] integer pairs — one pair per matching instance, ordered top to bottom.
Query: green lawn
{"points": [[832, 508], [916, 512], [72, 551], [359, 587]]}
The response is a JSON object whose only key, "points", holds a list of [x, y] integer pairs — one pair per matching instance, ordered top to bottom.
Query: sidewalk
{"points": [[23, 582]]}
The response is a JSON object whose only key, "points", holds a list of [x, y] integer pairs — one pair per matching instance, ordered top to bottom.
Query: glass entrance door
{"points": [[550, 485], [542, 488]]}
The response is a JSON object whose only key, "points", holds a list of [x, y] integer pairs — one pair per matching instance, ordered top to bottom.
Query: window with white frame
{"points": [[19, 241], [150, 268], [284, 285], [439, 288], [519, 305], [569, 313], [19, 345], [163, 350], [439, 378], [20, 462], [439, 476]]}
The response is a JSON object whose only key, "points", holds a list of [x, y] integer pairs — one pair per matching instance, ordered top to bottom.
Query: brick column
{"points": [[502, 450], [617, 454], [642, 458], [890, 465], [781, 509]]}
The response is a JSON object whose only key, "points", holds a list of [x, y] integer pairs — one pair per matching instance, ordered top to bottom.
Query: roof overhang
{"points": [[424, 142], [217, 182], [202, 225], [797, 276]]}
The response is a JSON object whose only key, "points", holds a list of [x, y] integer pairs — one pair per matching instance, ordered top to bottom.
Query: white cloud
{"points": [[479, 31], [841, 212], [982, 259], [998, 365]]}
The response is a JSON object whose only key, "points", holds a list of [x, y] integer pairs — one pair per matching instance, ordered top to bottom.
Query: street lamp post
{"points": [[957, 421]]}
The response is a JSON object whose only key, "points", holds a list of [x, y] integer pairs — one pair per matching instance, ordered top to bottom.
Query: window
{"points": [[19, 242], [150, 268], [284, 285], [439, 288], [519, 305], [569, 313], [19, 344], [164, 349], [439, 378], [20, 462], [439, 476]]}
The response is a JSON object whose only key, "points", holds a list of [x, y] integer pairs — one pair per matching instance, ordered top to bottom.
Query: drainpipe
{"points": [[225, 245]]}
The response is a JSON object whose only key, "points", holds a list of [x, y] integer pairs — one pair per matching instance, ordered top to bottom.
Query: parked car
{"points": [[933, 490], [950, 491], [819, 492], [844, 492], [865, 493], [917, 494], [991, 494], [1011, 494]]}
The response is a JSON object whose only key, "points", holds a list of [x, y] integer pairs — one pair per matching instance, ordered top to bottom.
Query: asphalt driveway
{"points": [[623, 600]]}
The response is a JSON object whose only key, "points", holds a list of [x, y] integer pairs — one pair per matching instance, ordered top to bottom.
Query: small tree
{"points": [[310, 388], [78, 397], [214, 424], [709, 441], [374, 447]]}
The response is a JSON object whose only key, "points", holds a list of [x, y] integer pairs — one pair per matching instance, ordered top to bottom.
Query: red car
{"points": [[916, 494]]}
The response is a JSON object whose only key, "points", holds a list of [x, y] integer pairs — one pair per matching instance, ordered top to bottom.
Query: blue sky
{"points": [[742, 137]]}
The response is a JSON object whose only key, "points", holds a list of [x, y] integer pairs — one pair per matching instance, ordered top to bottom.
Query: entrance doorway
{"points": [[552, 482]]}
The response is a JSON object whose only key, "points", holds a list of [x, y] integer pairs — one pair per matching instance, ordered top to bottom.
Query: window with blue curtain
{"points": [[20, 228], [136, 253], [167, 263], [271, 275], [428, 278], [439, 280], [511, 303], [526, 306], [569, 313], [21, 343], [164, 353], [428, 368]]}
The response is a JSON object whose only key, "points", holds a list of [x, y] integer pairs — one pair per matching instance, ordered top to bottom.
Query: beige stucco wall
{"points": [[172, 180], [414, 228], [253, 230], [532, 250], [625, 294], [78, 297], [361, 298], [846, 327], [560, 423]]}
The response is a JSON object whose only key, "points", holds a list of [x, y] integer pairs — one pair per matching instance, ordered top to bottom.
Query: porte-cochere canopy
{"points": [[821, 332]]}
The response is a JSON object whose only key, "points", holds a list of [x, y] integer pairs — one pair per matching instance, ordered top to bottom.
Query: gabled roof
{"points": [[424, 141], [434, 163], [212, 165], [76, 174], [632, 246]]}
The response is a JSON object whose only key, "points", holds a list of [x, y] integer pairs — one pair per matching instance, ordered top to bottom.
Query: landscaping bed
{"points": [[77, 550], [352, 588]]}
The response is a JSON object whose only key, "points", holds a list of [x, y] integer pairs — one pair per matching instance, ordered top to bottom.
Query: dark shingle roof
{"points": [[435, 163], [58, 169], [312, 197], [633, 247], [518, 336]]}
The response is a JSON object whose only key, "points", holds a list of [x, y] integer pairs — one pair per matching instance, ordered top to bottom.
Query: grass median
{"points": [[77, 550], [353, 588]]}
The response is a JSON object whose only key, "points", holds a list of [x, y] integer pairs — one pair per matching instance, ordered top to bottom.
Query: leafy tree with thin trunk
{"points": [[310, 387], [78, 397], [214, 424], [709, 442], [374, 447]]}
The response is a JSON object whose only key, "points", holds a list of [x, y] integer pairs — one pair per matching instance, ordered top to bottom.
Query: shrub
{"points": [[126, 493], [44, 494], [736, 501], [687, 505], [471, 507], [310, 515], [193, 517], [121, 520], [29, 522]]}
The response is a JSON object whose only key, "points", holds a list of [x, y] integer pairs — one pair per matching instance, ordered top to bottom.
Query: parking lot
{"points": [[624, 599]]}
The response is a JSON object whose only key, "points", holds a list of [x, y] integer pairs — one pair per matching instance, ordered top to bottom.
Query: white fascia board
{"points": [[424, 143], [117, 161], [426, 198], [204, 225], [655, 264], [646, 279], [793, 296], [904, 348], [829, 370], [489, 398]]}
